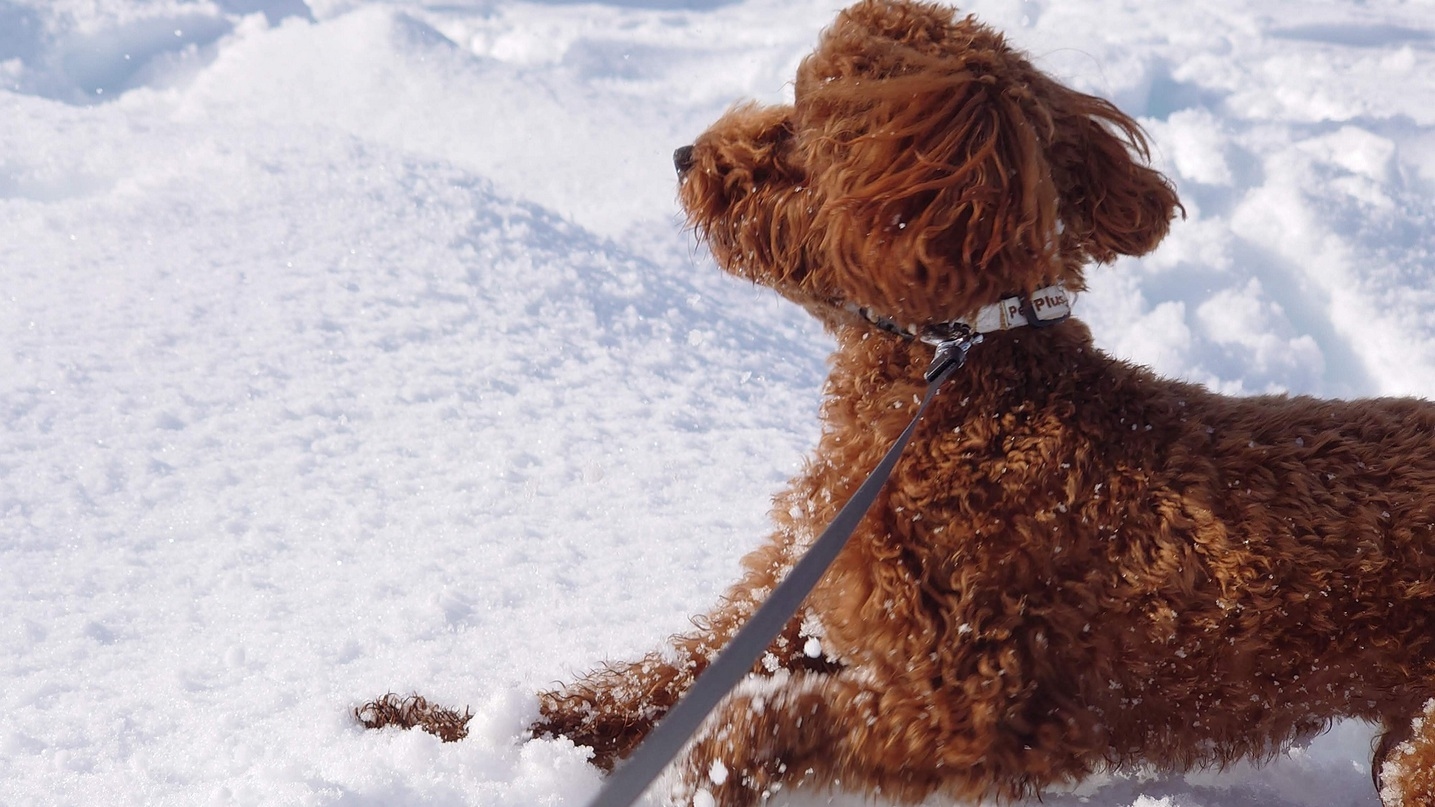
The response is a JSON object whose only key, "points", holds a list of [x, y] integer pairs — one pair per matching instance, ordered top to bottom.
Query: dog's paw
{"points": [[414, 712], [612, 735]]}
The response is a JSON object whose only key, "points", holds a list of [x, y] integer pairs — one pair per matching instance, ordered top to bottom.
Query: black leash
{"points": [[735, 661]]}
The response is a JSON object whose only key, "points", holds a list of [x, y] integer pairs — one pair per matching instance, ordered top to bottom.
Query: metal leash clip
{"points": [[953, 340]]}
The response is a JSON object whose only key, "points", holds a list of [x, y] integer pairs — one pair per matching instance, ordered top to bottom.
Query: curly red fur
{"points": [[1078, 565], [414, 712], [1405, 762]]}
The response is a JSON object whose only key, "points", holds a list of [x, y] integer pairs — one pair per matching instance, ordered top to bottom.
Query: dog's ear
{"points": [[946, 170], [936, 195], [1112, 202]]}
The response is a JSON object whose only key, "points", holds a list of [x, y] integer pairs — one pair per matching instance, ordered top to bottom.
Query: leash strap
{"points": [[736, 660]]}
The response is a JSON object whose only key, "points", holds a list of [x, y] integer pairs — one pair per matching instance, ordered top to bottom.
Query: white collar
{"points": [[1045, 306], [1049, 306]]}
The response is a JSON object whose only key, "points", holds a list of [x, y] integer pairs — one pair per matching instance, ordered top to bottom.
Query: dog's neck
{"points": [[1039, 309]]}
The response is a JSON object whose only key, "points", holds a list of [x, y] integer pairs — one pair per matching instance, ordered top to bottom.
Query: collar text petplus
{"points": [[1042, 308]]}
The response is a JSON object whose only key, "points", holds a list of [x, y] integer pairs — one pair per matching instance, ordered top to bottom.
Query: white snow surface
{"points": [[350, 346]]}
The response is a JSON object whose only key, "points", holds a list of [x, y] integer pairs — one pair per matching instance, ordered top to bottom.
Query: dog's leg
{"points": [[614, 707], [611, 709], [842, 731], [1404, 765]]}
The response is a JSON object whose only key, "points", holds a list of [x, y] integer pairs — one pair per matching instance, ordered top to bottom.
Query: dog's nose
{"points": [[683, 159]]}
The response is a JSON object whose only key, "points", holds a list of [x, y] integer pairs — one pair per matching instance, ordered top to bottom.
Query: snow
{"points": [[352, 346]]}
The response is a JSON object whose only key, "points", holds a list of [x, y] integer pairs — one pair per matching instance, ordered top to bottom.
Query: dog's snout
{"points": [[683, 159]]}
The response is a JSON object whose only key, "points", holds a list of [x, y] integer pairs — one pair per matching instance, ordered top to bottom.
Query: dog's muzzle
{"points": [[683, 159]]}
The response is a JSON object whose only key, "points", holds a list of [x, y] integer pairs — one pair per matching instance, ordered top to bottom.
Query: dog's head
{"points": [[924, 169]]}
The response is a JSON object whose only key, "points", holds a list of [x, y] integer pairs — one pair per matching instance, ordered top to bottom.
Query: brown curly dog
{"points": [[1078, 565]]}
